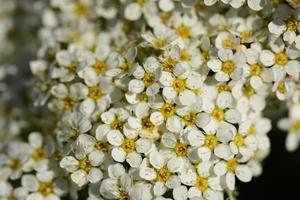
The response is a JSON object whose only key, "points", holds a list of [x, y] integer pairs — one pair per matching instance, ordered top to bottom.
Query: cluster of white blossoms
{"points": [[155, 99]]}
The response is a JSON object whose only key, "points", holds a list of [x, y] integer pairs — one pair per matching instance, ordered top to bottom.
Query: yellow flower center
{"points": [[141, 2], [80, 10], [165, 16], [292, 23], [184, 31], [246, 36], [159, 43], [227, 43], [185, 55], [206, 56], [281, 58], [169, 65], [73, 66], [100, 66], [126, 66], [228, 67], [255, 70], [148, 79], [179, 85], [223, 87], [281, 87], [248, 91], [94, 92], [143, 97], [69, 103], [167, 110], [218, 114], [190, 119], [147, 124], [117, 125], [295, 126], [252, 130], [74, 133], [238, 140], [211, 141], [128, 145], [102, 146], [181, 149], [38, 154], [14, 164], [85, 164], [231, 164], [163, 174], [201, 183], [45, 188], [123, 196]]}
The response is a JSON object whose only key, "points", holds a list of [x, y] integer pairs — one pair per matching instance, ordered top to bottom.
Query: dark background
{"points": [[281, 174]]}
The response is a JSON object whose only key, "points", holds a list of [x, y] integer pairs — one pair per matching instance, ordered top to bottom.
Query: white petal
{"points": [[256, 4], [166, 5], [133, 11], [267, 58], [187, 97], [157, 118], [174, 124], [115, 138], [291, 142], [143, 145], [223, 151], [204, 153], [118, 154], [96, 157], [134, 159], [69, 163], [220, 168], [116, 170], [147, 173], [243, 173], [95, 175], [79, 177], [230, 181], [30, 183], [180, 193]]}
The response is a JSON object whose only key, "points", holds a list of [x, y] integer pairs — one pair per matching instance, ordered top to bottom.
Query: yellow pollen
{"points": [[141, 2], [80, 10], [165, 16], [292, 24], [184, 31], [246, 36], [159, 43], [227, 43], [185, 55], [206, 56], [281, 58], [169, 65], [73, 66], [100, 66], [126, 66], [228, 67], [255, 70], [148, 79], [179, 85], [223, 87], [281, 87], [248, 91], [94, 92], [143, 97], [69, 103], [167, 110], [218, 114], [190, 119], [147, 124], [117, 125], [295, 126], [252, 130], [74, 133], [238, 140], [211, 141], [128, 145], [102, 146], [181, 149], [38, 154], [14, 164], [85, 164], [231, 164], [163, 174], [201, 183], [45, 188], [123, 196]]}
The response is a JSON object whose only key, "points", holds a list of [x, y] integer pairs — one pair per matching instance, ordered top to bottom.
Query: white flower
{"points": [[8, 192]]}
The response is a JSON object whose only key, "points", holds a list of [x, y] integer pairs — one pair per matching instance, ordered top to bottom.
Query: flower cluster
{"points": [[156, 99]]}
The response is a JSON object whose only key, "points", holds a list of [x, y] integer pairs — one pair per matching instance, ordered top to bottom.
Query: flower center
{"points": [[141, 2], [80, 10], [292, 23], [184, 31], [246, 36], [159, 43], [227, 43], [185, 55], [206, 56], [281, 58], [169, 65], [73, 66], [100, 66], [126, 66], [228, 67], [255, 70], [148, 79], [178, 85], [223, 87], [281, 87], [248, 91], [94, 92], [143, 97], [69, 103], [167, 110], [218, 114], [190, 119], [147, 124], [117, 125], [296, 126], [252, 130], [74, 133], [238, 140], [211, 141], [128, 145], [102, 146], [181, 149], [38, 154], [14, 164], [85, 164], [231, 164], [163, 174], [201, 183], [45, 188], [123, 196], [11, 197]]}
